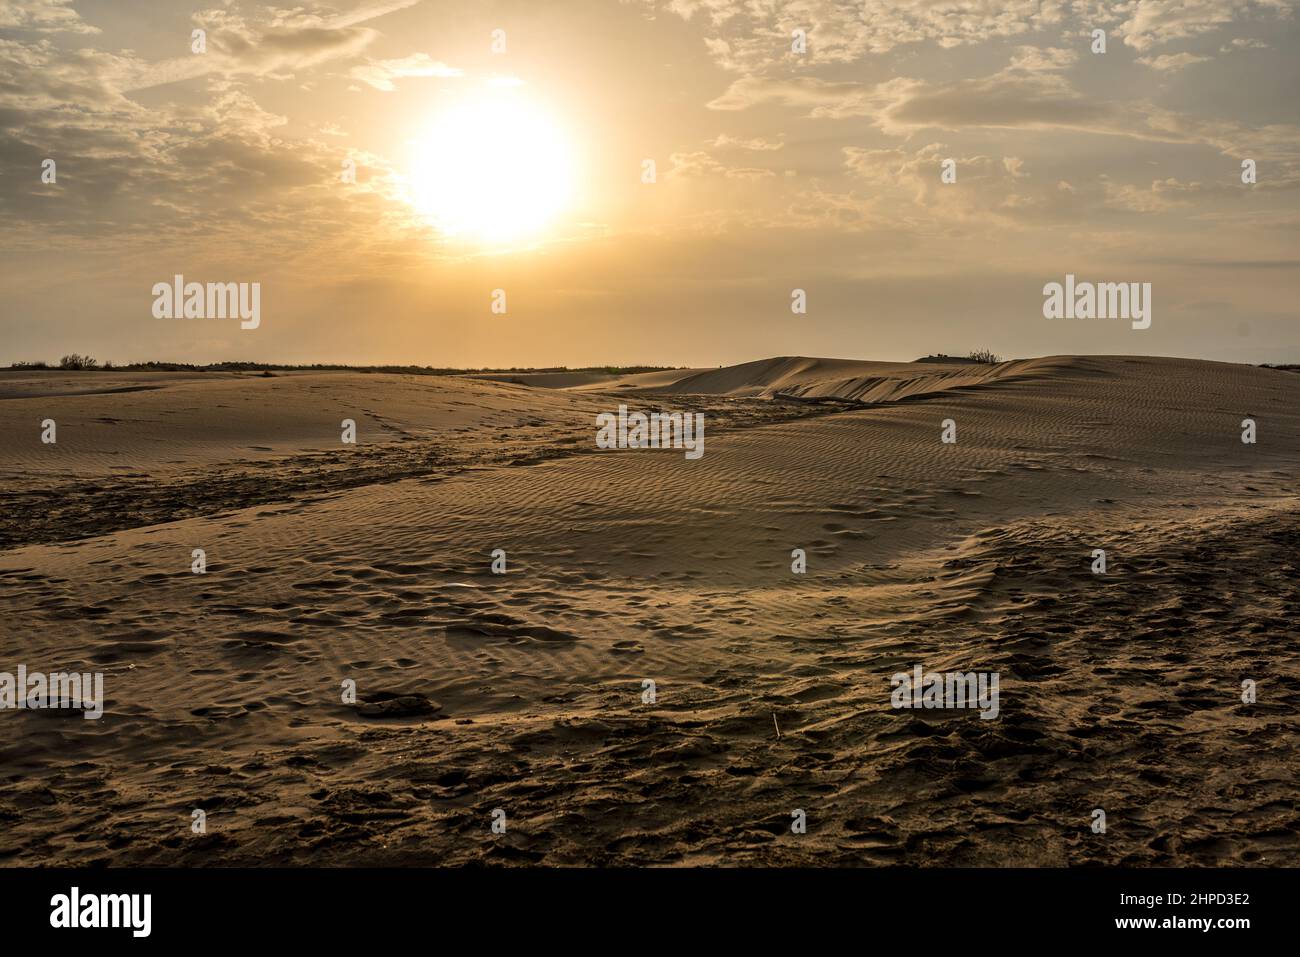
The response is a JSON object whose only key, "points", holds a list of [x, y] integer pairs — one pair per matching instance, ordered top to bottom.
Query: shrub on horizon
{"points": [[77, 362]]}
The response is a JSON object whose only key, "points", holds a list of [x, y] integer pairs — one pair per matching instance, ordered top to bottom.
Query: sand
{"points": [[523, 691]]}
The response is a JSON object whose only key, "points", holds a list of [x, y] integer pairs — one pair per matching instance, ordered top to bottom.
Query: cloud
{"points": [[43, 16], [300, 17], [1155, 22], [748, 37], [754, 38], [1243, 43], [275, 45], [1029, 59], [1172, 62], [381, 73], [40, 81], [1027, 91], [1032, 92], [826, 99], [1003, 100], [757, 144], [700, 163], [156, 174], [985, 185], [1160, 196]]}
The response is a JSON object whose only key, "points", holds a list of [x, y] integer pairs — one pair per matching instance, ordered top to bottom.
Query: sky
{"points": [[620, 182]]}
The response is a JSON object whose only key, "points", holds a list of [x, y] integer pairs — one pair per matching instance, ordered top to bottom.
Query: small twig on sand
{"points": [[777, 726]]}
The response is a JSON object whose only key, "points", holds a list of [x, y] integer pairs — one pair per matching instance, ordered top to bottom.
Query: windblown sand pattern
{"points": [[523, 691]]}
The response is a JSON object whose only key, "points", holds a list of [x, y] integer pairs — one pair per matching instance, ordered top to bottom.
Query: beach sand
{"points": [[523, 691]]}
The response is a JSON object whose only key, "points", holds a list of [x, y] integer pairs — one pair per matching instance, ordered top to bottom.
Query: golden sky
{"points": [[505, 145]]}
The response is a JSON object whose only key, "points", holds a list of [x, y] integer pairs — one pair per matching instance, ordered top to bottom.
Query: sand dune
{"points": [[796, 377], [852, 380], [590, 381], [523, 691]]}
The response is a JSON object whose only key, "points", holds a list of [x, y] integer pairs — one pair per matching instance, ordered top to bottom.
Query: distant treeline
{"points": [[986, 356], [79, 363]]}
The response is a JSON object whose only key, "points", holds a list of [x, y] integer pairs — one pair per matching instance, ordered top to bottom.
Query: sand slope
{"points": [[796, 377], [854, 381], [1120, 692]]}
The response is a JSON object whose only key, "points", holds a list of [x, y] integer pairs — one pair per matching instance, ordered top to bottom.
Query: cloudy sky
{"points": [[773, 170]]}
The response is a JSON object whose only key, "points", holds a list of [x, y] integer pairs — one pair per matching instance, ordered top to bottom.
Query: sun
{"points": [[493, 167]]}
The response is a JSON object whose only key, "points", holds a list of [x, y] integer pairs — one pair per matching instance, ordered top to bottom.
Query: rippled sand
{"points": [[524, 691]]}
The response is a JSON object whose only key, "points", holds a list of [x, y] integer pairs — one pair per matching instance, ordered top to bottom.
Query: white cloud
{"points": [[43, 16], [1155, 22], [754, 38], [271, 43], [1243, 43], [1171, 62], [381, 73], [826, 99], [757, 144], [700, 163], [1160, 196]]}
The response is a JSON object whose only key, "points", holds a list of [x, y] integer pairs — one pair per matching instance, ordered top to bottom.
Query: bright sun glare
{"points": [[492, 167]]}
